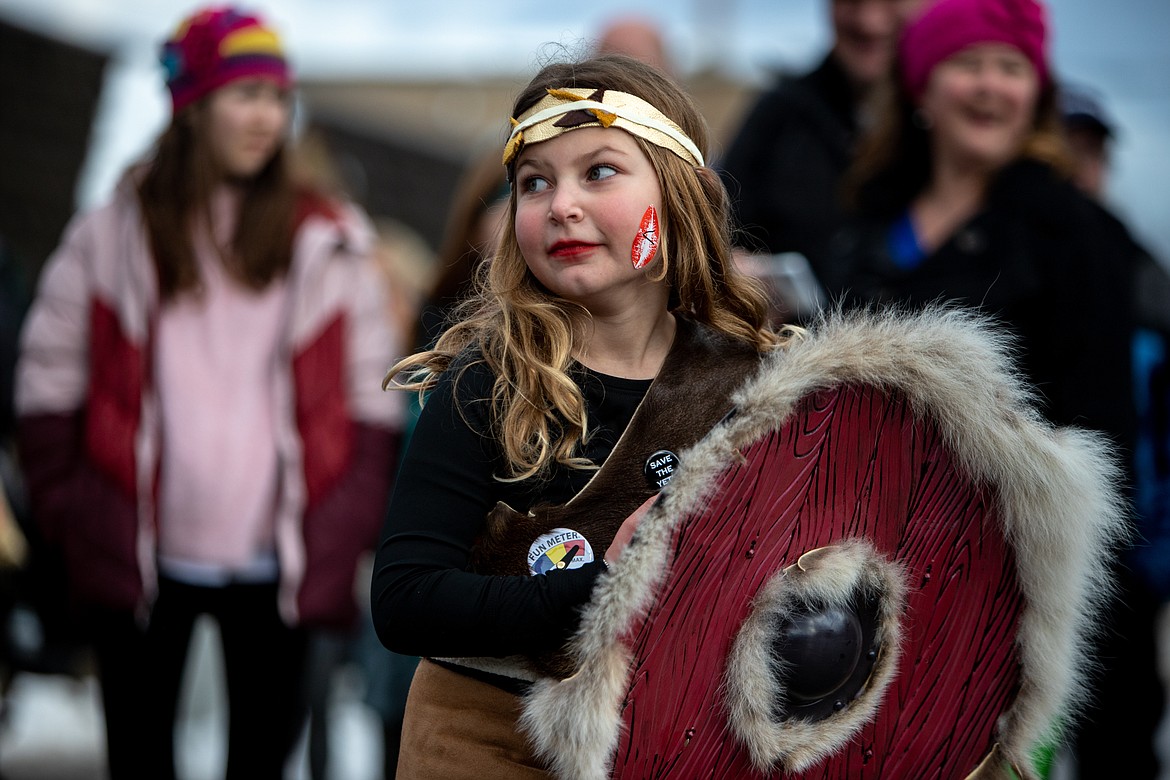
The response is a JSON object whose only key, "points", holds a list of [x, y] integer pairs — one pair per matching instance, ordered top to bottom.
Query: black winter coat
{"points": [[784, 165], [1041, 258]]}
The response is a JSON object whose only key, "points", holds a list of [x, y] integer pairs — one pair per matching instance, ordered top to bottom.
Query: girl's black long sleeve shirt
{"points": [[424, 599]]}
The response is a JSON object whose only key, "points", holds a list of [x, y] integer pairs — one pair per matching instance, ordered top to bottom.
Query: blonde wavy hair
{"points": [[527, 336]]}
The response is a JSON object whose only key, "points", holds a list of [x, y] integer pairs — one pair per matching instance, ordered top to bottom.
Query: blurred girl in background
{"points": [[201, 421]]}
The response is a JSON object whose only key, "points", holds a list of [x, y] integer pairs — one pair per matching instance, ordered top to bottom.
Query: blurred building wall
{"points": [[49, 93], [392, 175]]}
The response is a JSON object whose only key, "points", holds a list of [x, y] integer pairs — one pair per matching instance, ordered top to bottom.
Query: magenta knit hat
{"points": [[948, 26], [215, 46]]}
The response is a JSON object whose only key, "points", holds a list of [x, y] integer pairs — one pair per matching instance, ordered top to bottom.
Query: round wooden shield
{"points": [[850, 464], [885, 565]]}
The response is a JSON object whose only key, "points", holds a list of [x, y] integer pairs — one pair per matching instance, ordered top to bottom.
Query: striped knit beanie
{"points": [[215, 46]]}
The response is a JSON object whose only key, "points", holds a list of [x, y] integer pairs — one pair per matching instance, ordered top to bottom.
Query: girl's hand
{"points": [[627, 530]]}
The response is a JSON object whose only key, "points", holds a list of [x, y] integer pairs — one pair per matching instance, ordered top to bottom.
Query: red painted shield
{"points": [[849, 464], [885, 469]]}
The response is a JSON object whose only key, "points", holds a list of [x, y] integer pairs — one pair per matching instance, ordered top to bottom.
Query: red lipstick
{"points": [[569, 250]]}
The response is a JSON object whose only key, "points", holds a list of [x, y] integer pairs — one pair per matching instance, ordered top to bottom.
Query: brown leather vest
{"points": [[690, 395]]}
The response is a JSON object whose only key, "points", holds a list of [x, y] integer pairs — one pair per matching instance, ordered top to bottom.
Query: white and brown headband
{"points": [[562, 110]]}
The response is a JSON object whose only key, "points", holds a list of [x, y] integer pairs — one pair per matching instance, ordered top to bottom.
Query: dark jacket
{"points": [[783, 167], [1038, 257]]}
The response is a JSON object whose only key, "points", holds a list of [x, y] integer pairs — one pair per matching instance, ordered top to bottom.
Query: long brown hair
{"points": [[893, 163], [175, 193], [527, 336]]}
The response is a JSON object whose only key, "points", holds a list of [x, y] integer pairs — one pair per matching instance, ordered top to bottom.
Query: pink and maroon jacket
{"points": [[88, 415]]}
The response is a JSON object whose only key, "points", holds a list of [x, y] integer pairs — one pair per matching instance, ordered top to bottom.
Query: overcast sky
{"points": [[1121, 48]]}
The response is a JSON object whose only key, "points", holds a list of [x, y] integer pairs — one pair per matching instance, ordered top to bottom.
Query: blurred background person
{"points": [[637, 37], [1090, 132], [783, 166], [964, 194], [201, 423], [17, 648], [1131, 683]]}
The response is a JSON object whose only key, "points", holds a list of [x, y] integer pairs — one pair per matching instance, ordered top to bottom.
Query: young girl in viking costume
{"points": [[607, 332], [201, 425]]}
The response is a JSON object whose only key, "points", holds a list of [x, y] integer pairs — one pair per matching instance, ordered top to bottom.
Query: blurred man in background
{"points": [[783, 166]]}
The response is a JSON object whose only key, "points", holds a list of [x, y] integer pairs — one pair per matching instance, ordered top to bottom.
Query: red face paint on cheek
{"points": [[646, 241]]}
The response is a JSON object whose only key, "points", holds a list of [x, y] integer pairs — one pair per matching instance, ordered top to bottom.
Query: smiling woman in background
{"points": [[963, 193]]}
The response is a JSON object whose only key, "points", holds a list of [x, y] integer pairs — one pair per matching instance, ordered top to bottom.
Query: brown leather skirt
{"points": [[460, 728]]}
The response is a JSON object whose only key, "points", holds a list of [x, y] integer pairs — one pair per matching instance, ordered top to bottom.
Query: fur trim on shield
{"points": [[1054, 489]]}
